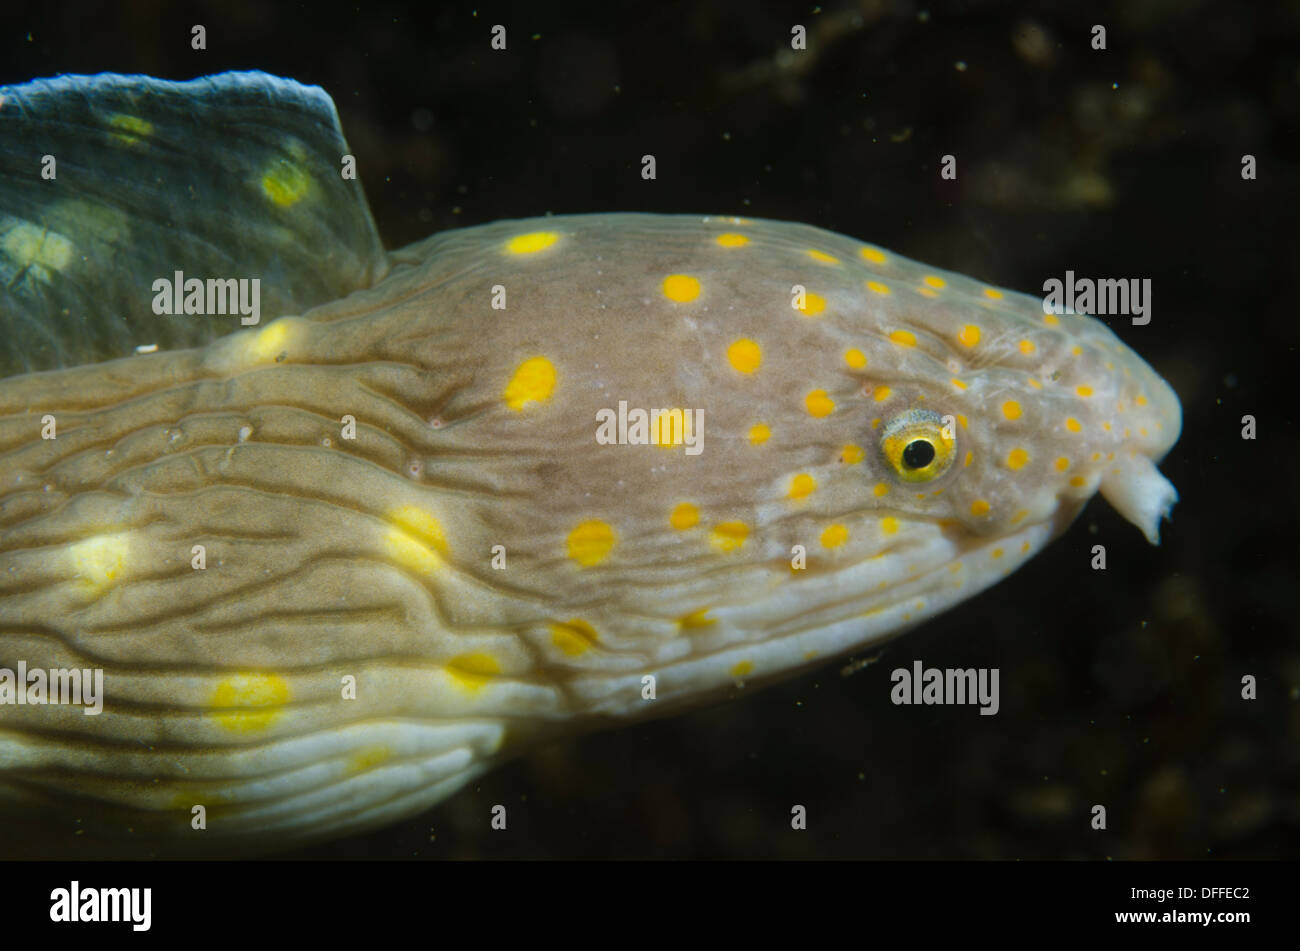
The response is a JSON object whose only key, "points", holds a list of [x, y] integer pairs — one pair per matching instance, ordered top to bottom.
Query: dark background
{"points": [[1119, 687]]}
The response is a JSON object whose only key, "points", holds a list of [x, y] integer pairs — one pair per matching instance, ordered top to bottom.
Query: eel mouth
{"points": [[878, 597], [803, 623]]}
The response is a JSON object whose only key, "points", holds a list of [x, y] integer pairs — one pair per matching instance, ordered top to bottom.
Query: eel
{"points": [[339, 553]]}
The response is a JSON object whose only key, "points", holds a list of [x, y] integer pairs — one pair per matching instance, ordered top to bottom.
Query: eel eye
{"points": [[918, 446], [918, 454]]}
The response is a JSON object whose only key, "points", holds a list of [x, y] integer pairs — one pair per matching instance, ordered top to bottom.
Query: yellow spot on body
{"points": [[130, 130], [285, 183], [732, 240], [532, 242], [874, 255], [822, 257], [934, 281], [681, 288], [877, 288], [927, 292], [992, 293], [813, 304], [1051, 320], [969, 335], [904, 338], [274, 339], [1027, 347], [1076, 350], [745, 355], [855, 358], [533, 382], [958, 383], [1035, 384], [1083, 390], [881, 393], [1140, 400], [819, 404], [1011, 409], [962, 419], [1073, 425], [1106, 426], [668, 429], [759, 433], [851, 454], [970, 456], [1017, 458], [1062, 463], [1078, 482], [802, 486], [880, 490], [979, 507], [684, 516], [1020, 517], [421, 524], [889, 525], [729, 536], [834, 536], [415, 539], [591, 542], [1024, 548], [410, 553], [997, 553], [100, 560], [697, 618], [574, 638], [743, 669], [472, 672], [263, 694], [368, 758]]}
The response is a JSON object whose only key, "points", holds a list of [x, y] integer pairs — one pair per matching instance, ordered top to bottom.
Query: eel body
{"points": [[509, 483]]}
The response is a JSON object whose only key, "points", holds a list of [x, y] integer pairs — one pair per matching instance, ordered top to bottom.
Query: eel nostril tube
{"points": [[1137, 490]]}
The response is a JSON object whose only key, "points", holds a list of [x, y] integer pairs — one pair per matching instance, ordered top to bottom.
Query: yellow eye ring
{"points": [[919, 445]]}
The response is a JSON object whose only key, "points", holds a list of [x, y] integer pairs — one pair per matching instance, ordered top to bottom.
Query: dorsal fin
{"points": [[233, 176]]}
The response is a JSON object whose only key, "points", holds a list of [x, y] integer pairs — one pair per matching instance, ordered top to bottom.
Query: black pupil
{"points": [[918, 454]]}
